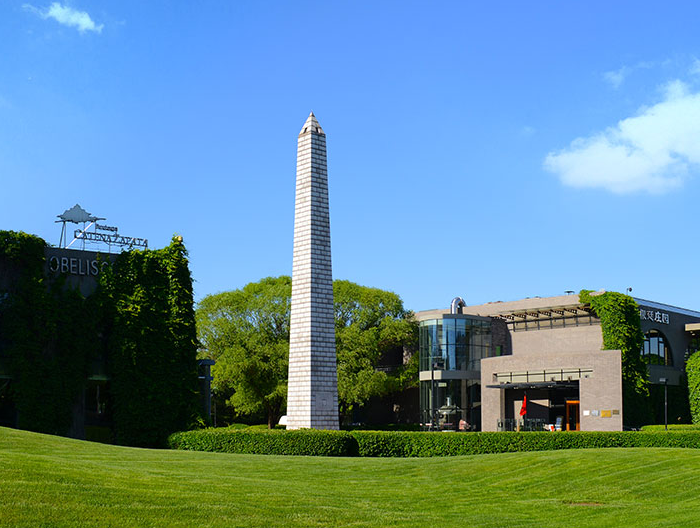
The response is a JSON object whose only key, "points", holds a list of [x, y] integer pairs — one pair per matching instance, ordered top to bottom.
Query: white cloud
{"points": [[66, 16], [695, 67], [616, 77], [651, 152]]}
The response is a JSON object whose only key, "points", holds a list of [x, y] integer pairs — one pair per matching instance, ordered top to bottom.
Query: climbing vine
{"points": [[147, 298], [141, 318], [621, 329], [41, 347], [692, 369]]}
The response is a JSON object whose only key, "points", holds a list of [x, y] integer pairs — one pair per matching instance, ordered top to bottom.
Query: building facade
{"points": [[548, 352], [68, 367]]}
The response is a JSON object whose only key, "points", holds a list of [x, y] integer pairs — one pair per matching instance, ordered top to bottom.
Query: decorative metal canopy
{"points": [[77, 215]]}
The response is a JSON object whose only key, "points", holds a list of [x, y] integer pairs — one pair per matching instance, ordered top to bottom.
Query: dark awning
{"points": [[552, 385]]}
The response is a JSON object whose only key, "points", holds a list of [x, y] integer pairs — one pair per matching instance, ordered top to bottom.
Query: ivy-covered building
{"points": [[96, 346], [592, 361]]}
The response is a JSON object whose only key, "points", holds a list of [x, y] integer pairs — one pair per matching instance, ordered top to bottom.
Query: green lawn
{"points": [[50, 481]]}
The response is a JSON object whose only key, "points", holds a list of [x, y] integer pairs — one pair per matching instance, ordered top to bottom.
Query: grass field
{"points": [[49, 481]]}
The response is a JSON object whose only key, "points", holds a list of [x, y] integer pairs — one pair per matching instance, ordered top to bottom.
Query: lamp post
{"points": [[206, 378], [665, 382], [432, 392], [433, 411]]}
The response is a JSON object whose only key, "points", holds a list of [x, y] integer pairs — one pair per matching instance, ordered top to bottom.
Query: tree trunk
{"points": [[273, 416]]}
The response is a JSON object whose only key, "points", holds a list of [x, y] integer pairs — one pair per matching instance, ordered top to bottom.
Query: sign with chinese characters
{"points": [[654, 316]]}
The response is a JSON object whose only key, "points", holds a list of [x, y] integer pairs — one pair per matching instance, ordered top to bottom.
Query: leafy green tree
{"points": [[371, 328], [247, 332]]}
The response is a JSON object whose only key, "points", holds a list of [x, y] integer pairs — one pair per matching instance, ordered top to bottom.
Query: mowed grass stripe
{"points": [[50, 481]]}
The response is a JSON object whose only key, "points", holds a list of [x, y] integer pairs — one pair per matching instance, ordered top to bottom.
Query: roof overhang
{"points": [[551, 312], [693, 328], [549, 385]]}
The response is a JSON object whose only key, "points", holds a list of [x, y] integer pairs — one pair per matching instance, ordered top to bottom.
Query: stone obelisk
{"points": [[312, 395]]}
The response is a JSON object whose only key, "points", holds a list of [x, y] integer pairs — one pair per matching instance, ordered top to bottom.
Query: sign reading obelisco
{"points": [[312, 396]]}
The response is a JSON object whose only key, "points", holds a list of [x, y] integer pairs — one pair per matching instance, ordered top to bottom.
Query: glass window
{"points": [[448, 340], [655, 349], [449, 404]]}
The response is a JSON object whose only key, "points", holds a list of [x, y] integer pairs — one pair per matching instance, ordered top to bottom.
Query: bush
{"points": [[307, 442], [395, 444], [418, 444]]}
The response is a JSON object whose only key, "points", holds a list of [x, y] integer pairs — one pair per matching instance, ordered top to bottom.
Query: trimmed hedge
{"points": [[307, 442], [384, 444], [417, 444]]}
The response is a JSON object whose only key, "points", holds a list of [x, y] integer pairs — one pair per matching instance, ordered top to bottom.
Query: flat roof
{"points": [[535, 304], [499, 307], [668, 307]]}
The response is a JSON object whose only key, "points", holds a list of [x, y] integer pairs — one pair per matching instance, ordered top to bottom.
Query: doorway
{"points": [[573, 422]]}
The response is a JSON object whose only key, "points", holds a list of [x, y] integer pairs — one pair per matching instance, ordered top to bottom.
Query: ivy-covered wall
{"points": [[149, 317], [141, 318], [621, 328], [43, 353], [692, 369]]}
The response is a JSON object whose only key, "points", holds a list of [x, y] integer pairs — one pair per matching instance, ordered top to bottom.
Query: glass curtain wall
{"points": [[454, 344], [453, 347]]}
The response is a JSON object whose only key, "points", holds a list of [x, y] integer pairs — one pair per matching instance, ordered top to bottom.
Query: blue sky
{"points": [[494, 150]]}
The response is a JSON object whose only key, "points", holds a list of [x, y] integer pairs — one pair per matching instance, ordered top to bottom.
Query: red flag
{"points": [[523, 409]]}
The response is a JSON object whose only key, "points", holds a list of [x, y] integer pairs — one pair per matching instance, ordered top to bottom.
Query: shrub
{"points": [[307, 442], [408, 444], [418, 444]]}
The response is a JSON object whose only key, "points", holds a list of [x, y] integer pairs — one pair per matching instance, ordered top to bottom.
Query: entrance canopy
{"points": [[546, 376], [548, 385]]}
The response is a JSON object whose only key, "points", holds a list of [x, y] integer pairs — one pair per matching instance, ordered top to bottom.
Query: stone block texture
{"points": [[601, 390], [312, 396]]}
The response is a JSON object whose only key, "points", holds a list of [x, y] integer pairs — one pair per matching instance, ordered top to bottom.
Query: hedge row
{"points": [[276, 442], [417, 444]]}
